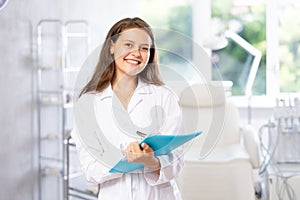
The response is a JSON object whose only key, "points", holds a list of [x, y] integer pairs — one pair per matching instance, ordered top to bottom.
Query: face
{"points": [[131, 52]]}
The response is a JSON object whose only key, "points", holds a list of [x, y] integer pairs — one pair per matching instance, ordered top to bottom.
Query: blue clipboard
{"points": [[161, 145]]}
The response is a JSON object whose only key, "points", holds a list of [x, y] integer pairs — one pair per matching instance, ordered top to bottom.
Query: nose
{"points": [[136, 52]]}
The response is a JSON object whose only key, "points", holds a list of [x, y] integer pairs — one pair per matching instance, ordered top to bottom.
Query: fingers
{"points": [[135, 147], [146, 148], [132, 151], [138, 153]]}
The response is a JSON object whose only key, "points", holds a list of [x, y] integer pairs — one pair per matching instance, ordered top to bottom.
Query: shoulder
{"points": [[164, 90], [107, 92], [89, 95]]}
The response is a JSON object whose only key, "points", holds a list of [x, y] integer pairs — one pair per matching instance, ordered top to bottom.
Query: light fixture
{"points": [[220, 41], [215, 42], [251, 50]]}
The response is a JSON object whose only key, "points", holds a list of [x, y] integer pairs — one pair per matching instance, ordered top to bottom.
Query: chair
{"points": [[219, 163]]}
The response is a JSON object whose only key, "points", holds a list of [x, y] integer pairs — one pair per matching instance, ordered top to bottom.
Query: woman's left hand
{"points": [[142, 154]]}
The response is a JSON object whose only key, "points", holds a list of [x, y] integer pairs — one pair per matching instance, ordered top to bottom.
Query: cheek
{"points": [[120, 53], [146, 58]]}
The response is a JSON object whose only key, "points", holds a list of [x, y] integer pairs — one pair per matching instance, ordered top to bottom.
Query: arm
{"points": [[251, 144], [171, 164], [94, 171]]}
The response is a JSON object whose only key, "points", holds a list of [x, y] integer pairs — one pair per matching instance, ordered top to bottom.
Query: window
{"points": [[270, 26], [173, 29], [289, 45], [233, 63], [238, 66]]}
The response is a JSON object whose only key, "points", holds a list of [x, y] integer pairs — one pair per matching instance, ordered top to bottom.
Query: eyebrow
{"points": [[134, 42]]}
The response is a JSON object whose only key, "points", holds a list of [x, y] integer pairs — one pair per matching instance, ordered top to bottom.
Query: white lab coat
{"points": [[144, 185]]}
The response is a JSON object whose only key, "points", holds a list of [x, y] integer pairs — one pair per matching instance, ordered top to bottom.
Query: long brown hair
{"points": [[105, 69]]}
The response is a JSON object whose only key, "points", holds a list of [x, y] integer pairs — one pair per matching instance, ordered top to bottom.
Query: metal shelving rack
{"points": [[61, 49], [73, 190]]}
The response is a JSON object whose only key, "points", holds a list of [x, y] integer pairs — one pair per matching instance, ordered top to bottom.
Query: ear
{"points": [[112, 47]]}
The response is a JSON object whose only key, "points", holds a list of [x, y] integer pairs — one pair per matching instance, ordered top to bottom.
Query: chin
{"points": [[135, 71]]}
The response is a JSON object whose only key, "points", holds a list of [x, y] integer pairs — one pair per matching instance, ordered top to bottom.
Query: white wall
{"points": [[18, 168]]}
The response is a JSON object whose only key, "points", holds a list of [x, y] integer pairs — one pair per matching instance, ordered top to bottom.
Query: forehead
{"points": [[136, 35]]}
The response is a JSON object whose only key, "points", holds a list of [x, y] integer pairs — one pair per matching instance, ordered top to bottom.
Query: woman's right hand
{"points": [[144, 155]]}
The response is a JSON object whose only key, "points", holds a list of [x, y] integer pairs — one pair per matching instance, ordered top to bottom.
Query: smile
{"points": [[135, 62]]}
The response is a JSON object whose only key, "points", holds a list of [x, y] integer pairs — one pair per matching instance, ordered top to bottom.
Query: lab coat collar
{"points": [[142, 88], [106, 93]]}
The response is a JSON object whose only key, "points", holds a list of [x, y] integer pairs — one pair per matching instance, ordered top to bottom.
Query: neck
{"points": [[124, 84], [124, 89]]}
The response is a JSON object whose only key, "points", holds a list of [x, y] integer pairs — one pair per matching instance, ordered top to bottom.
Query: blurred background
{"points": [[253, 50]]}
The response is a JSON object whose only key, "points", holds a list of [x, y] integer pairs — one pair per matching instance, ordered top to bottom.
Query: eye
{"points": [[129, 45], [145, 49]]}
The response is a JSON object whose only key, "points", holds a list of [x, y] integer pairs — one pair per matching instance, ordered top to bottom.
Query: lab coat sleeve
{"points": [[171, 164], [94, 171]]}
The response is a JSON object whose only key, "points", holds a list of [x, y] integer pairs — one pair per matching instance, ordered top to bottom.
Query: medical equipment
{"points": [[283, 133], [279, 140]]}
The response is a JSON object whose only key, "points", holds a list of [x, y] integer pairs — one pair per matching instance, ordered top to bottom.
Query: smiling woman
{"points": [[131, 52], [127, 82]]}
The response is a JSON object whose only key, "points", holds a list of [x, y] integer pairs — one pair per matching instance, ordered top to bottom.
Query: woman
{"points": [[128, 69]]}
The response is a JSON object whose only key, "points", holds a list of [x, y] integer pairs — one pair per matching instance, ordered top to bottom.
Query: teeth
{"points": [[132, 62]]}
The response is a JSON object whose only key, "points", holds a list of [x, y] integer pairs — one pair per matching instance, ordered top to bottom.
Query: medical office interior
{"points": [[235, 63]]}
